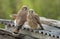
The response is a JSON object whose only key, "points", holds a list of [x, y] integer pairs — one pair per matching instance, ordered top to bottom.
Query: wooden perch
{"points": [[50, 22], [25, 34], [8, 35]]}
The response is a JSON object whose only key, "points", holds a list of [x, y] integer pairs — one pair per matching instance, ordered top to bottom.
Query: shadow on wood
{"points": [[8, 35]]}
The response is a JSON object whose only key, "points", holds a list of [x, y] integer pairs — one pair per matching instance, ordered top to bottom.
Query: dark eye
{"points": [[24, 8], [31, 11]]}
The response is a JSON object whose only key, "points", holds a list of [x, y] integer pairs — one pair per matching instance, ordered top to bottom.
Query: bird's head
{"points": [[24, 8], [31, 11]]}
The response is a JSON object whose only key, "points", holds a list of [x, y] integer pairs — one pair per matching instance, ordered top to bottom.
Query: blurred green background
{"points": [[45, 8]]}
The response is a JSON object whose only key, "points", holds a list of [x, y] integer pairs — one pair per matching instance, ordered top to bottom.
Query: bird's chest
{"points": [[15, 23], [30, 25]]}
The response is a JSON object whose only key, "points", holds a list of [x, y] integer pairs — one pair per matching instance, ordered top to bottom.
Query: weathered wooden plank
{"points": [[6, 22], [51, 22], [49, 32], [8, 35], [39, 35]]}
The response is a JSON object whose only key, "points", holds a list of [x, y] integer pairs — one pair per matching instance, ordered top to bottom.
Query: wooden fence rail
{"points": [[50, 31]]}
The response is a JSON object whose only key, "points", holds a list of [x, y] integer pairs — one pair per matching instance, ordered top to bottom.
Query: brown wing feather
{"points": [[21, 17], [38, 20], [31, 21]]}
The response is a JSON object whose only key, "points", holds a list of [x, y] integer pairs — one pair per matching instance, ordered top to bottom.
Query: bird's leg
{"points": [[41, 27], [17, 28]]}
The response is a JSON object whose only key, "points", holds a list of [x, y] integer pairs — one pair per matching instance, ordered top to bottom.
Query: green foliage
{"points": [[46, 8], [2, 26]]}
